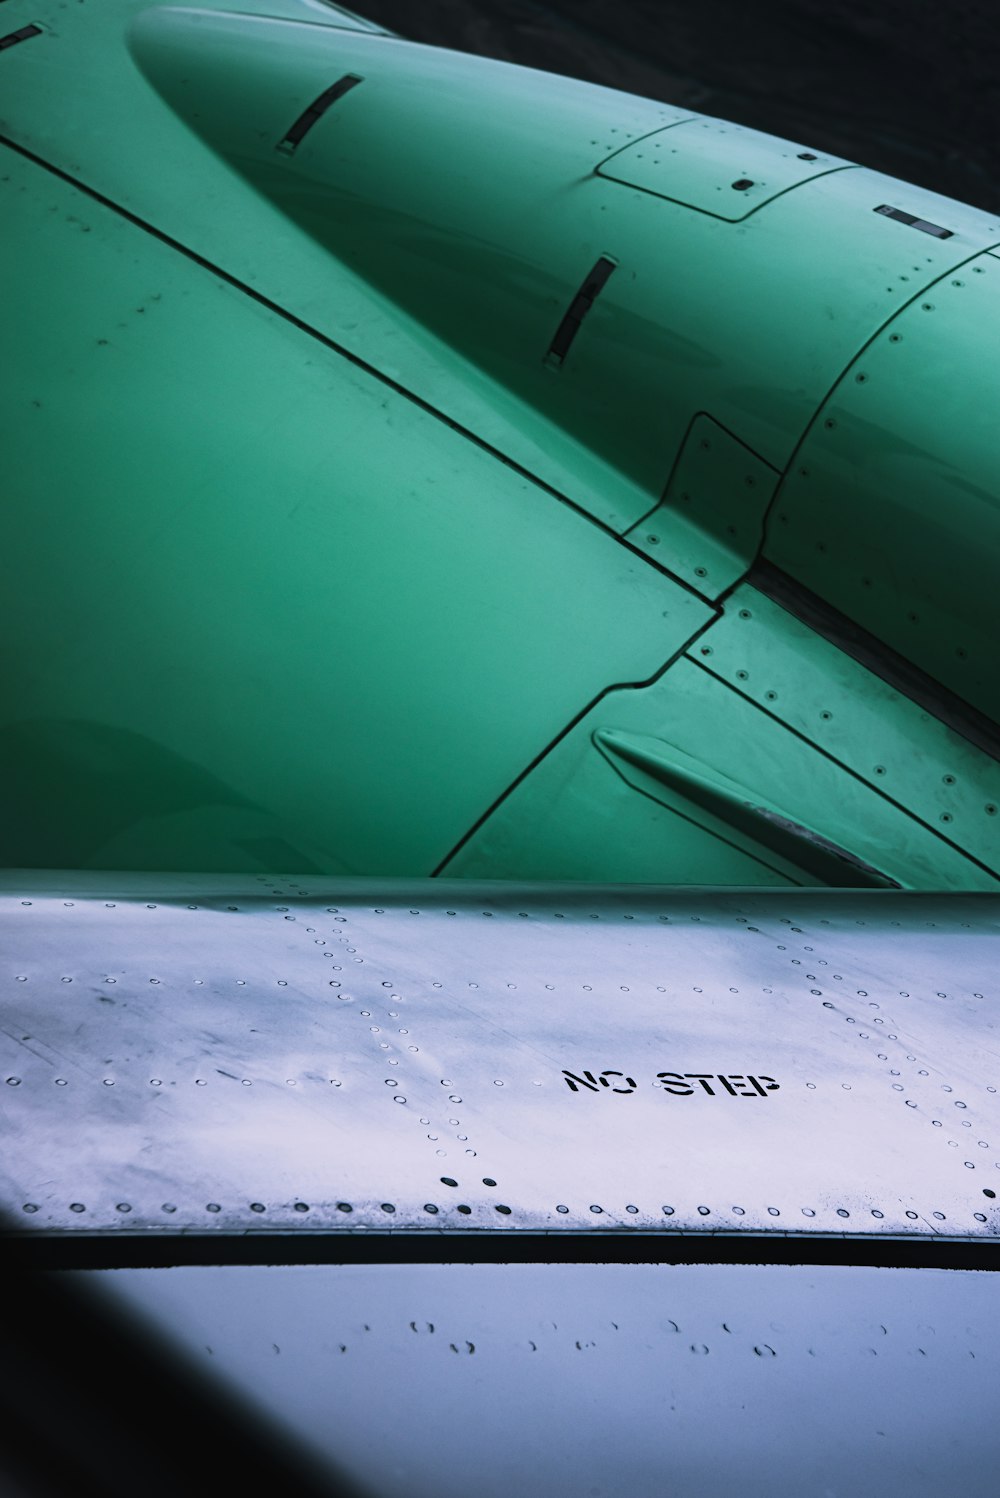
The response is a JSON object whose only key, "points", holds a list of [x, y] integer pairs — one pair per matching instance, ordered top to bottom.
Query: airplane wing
{"points": [[559, 533], [343, 1069], [580, 1180]]}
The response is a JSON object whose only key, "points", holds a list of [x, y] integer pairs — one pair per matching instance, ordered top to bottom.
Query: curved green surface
{"points": [[891, 509], [313, 560]]}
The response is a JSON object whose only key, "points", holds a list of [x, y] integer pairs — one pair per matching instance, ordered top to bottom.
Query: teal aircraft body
{"points": [[417, 464], [489, 562]]}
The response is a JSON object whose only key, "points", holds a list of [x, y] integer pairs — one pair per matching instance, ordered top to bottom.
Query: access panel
{"points": [[717, 167]]}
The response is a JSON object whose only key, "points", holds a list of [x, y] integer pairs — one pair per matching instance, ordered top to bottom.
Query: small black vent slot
{"points": [[13, 37], [316, 110], [915, 223], [578, 309]]}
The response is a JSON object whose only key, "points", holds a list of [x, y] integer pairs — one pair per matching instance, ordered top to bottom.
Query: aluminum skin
{"points": [[321, 1062]]}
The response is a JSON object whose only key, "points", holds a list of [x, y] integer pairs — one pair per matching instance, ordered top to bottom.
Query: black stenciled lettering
{"points": [[704, 1077], [630, 1082], [574, 1083], [674, 1083], [677, 1084], [763, 1084], [739, 1085]]}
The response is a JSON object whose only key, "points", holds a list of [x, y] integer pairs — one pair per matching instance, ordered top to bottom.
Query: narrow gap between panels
{"points": [[13, 37], [317, 109], [593, 284], [121, 1250]]}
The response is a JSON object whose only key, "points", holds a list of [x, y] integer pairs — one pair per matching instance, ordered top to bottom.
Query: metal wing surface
{"points": [[380, 1069]]}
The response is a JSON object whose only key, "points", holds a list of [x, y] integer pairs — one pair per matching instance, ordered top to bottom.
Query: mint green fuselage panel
{"points": [[348, 527]]}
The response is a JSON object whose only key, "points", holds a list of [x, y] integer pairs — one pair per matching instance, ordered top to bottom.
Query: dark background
{"points": [[904, 86]]}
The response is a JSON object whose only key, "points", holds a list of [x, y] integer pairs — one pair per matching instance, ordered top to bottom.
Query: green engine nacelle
{"points": [[484, 472]]}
